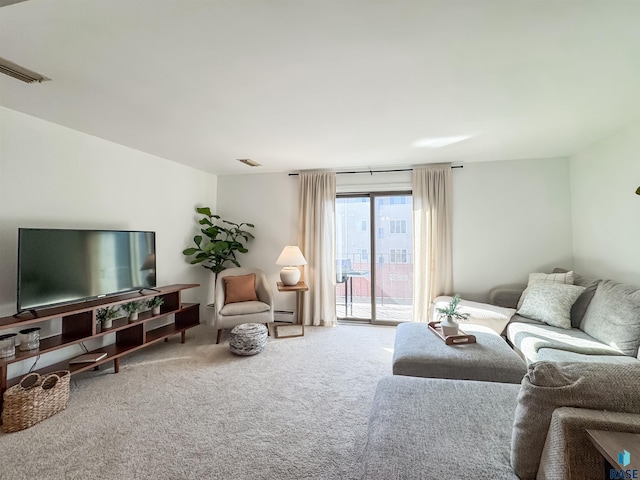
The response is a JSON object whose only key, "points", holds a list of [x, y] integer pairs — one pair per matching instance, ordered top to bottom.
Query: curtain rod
{"points": [[371, 172]]}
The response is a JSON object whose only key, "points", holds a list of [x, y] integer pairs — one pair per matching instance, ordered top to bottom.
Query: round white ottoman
{"points": [[248, 339]]}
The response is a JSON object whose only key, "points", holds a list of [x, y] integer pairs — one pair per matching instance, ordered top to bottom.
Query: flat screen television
{"points": [[57, 266]]}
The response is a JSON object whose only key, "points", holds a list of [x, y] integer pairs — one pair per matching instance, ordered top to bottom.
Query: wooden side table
{"points": [[299, 288], [610, 444]]}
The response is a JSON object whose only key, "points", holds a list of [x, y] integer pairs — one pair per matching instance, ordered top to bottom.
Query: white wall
{"points": [[52, 176], [270, 202], [606, 211], [510, 218]]}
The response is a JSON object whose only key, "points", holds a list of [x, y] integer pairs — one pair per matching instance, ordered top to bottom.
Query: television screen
{"points": [[63, 266]]}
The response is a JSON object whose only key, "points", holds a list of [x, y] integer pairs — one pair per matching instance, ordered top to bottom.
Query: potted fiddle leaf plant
{"points": [[219, 243], [154, 304], [132, 309], [451, 314], [106, 315]]}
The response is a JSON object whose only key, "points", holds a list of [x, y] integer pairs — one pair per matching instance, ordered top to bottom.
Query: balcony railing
{"points": [[393, 289]]}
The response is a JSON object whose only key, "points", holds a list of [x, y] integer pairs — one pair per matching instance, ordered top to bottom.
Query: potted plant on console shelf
{"points": [[154, 304], [132, 309], [450, 312], [105, 316]]}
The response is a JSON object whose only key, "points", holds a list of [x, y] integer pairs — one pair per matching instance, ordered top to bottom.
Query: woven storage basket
{"points": [[35, 398]]}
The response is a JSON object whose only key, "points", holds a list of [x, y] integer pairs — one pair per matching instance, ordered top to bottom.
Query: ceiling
{"points": [[306, 84]]}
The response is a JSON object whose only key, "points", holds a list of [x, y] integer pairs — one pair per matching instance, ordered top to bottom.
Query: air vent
{"points": [[23, 74], [248, 161]]}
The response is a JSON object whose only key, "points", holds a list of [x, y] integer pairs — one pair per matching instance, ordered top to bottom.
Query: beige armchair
{"points": [[233, 302]]}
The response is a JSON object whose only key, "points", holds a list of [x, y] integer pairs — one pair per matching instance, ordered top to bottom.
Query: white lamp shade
{"points": [[291, 256]]}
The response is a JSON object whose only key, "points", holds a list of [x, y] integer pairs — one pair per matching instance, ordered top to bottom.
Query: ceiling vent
{"points": [[23, 74], [248, 161]]}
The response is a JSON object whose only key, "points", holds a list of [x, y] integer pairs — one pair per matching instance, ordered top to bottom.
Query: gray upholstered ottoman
{"points": [[248, 339], [419, 353]]}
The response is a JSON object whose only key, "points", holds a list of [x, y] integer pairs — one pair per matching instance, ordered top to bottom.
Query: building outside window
{"points": [[397, 226], [398, 255]]}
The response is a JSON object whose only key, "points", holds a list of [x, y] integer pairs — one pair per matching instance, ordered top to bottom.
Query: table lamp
{"points": [[291, 257]]}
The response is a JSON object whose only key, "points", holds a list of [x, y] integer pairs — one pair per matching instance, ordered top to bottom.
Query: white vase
{"points": [[155, 310], [133, 316], [107, 323], [449, 326]]}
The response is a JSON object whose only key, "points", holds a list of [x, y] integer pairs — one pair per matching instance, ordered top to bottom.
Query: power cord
{"points": [[34, 364]]}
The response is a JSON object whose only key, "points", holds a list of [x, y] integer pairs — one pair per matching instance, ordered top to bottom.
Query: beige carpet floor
{"points": [[298, 410]]}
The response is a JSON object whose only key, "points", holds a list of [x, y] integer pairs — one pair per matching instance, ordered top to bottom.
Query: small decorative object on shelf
{"points": [[154, 304], [132, 309], [450, 312], [105, 316], [29, 339], [7, 345]]}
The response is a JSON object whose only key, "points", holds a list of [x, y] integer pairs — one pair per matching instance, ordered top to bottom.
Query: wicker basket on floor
{"points": [[35, 398]]}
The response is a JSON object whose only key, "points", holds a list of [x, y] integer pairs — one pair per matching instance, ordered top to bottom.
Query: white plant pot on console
{"points": [[155, 310], [133, 316]]}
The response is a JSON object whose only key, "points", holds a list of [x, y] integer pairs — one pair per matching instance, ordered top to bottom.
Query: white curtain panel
{"points": [[432, 226], [316, 237]]}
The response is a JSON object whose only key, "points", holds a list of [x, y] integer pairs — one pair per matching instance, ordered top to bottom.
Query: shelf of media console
{"points": [[130, 336]]}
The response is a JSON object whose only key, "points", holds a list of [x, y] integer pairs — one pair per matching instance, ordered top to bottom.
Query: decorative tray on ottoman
{"points": [[460, 339]]}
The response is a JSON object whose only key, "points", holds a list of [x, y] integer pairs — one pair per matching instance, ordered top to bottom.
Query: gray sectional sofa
{"points": [[605, 325], [582, 375], [432, 428]]}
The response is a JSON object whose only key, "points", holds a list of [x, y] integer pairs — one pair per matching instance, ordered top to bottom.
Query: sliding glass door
{"points": [[374, 265]]}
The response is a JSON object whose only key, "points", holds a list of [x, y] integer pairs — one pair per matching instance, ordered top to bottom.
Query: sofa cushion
{"points": [[534, 278], [506, 296], [551, 303], [582, 303], [244, 308], [613, 316], [530, 337], [555, 355], [547, 386], [431, 428]]}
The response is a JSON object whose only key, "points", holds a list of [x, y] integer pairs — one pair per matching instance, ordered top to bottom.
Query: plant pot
{"points": [[155, 310], [133, 316], [107, 324], [449, 326]]}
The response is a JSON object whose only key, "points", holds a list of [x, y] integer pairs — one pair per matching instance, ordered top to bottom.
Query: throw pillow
{"points": [[564, 278], [240, 288], [551, 303], [582, 303], [613, 316], [547, 386]]}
